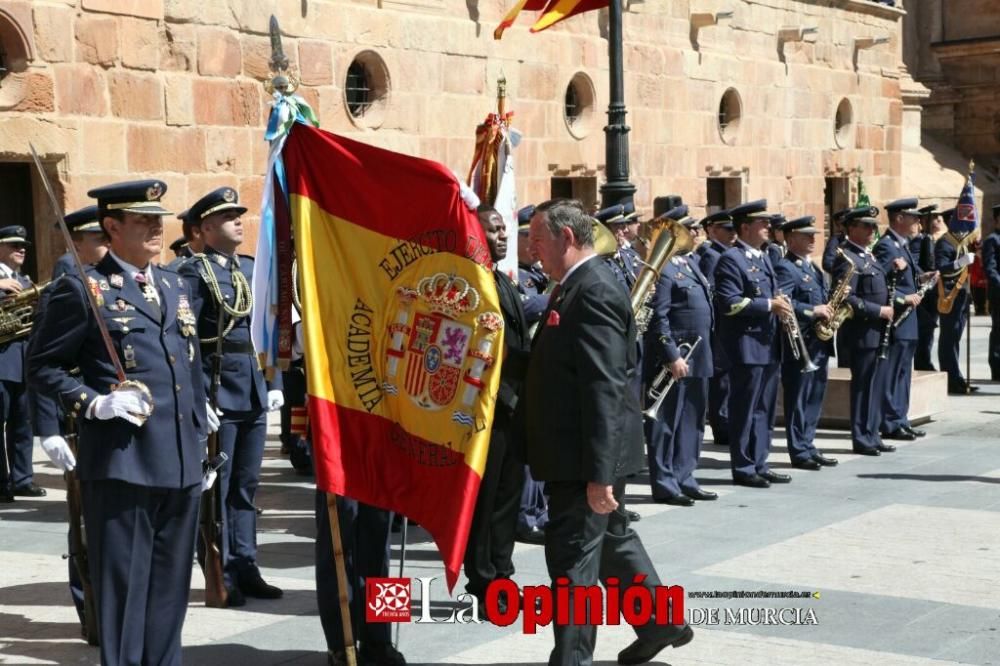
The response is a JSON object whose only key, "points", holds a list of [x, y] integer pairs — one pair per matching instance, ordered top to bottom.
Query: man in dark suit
{"points": [[722, 235], [893, 254], [954, 260], [991, 265], [220, 283], [805, 284], [748, 311], [681, 324], [862, 332], [584, 428], [141, 446], [491, 535]]}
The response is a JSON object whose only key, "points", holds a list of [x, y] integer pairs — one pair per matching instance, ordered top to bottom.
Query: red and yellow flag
{"points": [[553, 11], [403, 330]]}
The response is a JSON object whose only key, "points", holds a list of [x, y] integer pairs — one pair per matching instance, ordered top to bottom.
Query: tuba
{"points": [[665, 238], [17, 311], [825, 330]]}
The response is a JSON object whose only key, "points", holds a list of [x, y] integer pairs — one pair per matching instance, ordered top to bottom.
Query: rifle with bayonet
{"points": [[216, 595]]}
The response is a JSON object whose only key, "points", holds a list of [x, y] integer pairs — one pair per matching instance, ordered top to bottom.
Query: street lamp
{"points": [[616, 186]]}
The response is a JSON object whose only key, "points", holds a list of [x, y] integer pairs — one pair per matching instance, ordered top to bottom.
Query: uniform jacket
{"points": [[922, 249], [887, 250], [775, 252], [830, 252], [945, 255], [710, 259], [991, 261], [63, 265], [625, 266], [531, 284], [805, 284], [869, 292], [682, 311], [747, 330], [154, 346], [12, 353], [583, 422]]}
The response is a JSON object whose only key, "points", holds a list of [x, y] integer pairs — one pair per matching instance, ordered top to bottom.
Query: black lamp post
{"points": [[617, 185]]}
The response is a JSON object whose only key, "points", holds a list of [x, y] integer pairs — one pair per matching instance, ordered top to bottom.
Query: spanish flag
{"points": [[553, 11], [402, 327]]}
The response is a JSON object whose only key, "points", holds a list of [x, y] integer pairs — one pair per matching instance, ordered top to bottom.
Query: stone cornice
{"points": [[873, 8]]}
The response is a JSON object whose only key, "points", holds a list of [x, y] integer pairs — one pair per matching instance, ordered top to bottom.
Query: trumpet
{"points": [[17, 311], [795, 340], [658, 393]]}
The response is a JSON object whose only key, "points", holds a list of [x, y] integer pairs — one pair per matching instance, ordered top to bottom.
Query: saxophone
{"points": [[825, 330]]}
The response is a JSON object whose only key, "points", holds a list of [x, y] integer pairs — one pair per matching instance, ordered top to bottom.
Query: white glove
{"points": [[469, 196], [965, 260], [275, 400], [126, 403], [213, 417], [58, 451], [208, 479]]}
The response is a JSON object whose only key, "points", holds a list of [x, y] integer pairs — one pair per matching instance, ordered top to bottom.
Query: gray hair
{"points": [[562, 213]]}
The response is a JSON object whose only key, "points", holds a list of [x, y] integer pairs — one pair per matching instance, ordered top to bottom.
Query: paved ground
{"points": [[904, 551]]}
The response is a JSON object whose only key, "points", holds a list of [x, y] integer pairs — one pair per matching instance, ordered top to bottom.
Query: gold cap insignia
{"points": [[229, 195]]}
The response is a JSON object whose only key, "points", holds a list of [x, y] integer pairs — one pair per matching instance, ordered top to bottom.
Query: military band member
{"points": [[721, 235], [836, 239], [775, 246], [922, 250], [893, 254], [624, 263], [991, 265], [954, 267], [220, 279], [805, 284], [748, 308], [682, 314], [862, 332], [141, 447], [16, 472]]}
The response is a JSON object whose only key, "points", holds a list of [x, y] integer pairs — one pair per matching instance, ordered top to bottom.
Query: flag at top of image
{"points": [[553, 11], [965, 219], [402, 327]]}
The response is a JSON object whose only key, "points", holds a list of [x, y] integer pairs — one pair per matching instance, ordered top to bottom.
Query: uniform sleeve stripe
{"points": [[736, 308]]}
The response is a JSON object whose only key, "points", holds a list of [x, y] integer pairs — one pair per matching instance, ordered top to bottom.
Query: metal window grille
{"points": [[3, 64], [358, 90], [572, 104]]}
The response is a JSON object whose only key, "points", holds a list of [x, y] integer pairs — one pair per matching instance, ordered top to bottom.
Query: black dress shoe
{"points": [[961, 389], [914, 431], [902, 435], [886, 448], [866, 451], [825, 461], [811, 464], [775, 477], [752, 481], [30, 490], [700, 494], [675, 500], [632, 516], [533, 535], [254, 586], [234, 597], [640, 651], [380, 654]]}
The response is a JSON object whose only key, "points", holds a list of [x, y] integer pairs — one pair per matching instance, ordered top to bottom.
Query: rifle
{"points": [[78, 541], [216, 595]]}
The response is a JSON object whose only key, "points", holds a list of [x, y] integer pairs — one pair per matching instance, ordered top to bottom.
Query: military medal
{"points": [[116, 281], [95, 290], [185, 316], [129, 355]]}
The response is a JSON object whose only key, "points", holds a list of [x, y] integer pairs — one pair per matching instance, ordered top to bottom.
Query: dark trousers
{"points": [[927, 321], [952, 328], [994, 350], [899, 373], [868, 377], [294, 388], [803, 394], [718, 406], [751, 415], [15, 431], [241, 437], [674, 438], [534, 511], [364, 532], [491, 536], [140, 541], [586, 547]]}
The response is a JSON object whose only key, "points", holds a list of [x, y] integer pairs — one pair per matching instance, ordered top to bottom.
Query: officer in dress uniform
{"points": [[721, 235], [193, 243], [776, 245], [922, 250], [893, 254], [991, 266], [220, 279], [954, 280], [805, 284], [748, 308], [682, 315], [862, 332], [141, 445], [16, 473]]}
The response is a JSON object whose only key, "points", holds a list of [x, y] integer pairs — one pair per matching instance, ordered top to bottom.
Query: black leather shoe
{"points": [[961, 389], [914, 431], [900, 435], [886, 448], [866, 451], [825, 461], [811, 464], [775, 477], [752, 481], [30, 490], [700, 494], [675, 500], [632, 516], [534, 535], [254, 586], [234, 597], [640, 651], [380, 654], [336, 658]]}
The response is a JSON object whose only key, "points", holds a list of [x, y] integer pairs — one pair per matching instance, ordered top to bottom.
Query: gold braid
{"points": [[242, 299]]}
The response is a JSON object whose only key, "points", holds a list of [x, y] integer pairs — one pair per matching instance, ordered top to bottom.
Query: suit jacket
{"points": [[887, 250], [991, 262], [805, 284], [869, 292], [682, 311], [748, 331], [154, 346], [12, 353], [583, 421]]}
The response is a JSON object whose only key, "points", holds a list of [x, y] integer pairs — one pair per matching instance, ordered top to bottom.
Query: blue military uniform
{"points": [[835, 240], [775, 249], [922, 249], [183, 251], [991, 266], [531, 285], [682, 314], [952, 323], [862, 335], [750, 337], [718, 386], [803, 392], [242, 394], [140, 484]]}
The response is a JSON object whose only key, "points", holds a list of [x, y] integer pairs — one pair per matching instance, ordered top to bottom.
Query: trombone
{"points": [[658, 394]]}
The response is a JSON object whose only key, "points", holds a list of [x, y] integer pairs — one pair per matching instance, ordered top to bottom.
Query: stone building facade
{"points": [[728, 99]]}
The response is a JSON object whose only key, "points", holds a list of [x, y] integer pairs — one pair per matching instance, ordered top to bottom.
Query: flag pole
{"points": [[281, 85], [971, 304]]}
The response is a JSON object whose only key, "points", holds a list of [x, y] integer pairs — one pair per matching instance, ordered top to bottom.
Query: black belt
{"points": [[229, 347]]}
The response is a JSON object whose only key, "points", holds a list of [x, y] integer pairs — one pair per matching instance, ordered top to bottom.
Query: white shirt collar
{"points": [[899, 239], [864, 250], [751, 251], [576, 266], [132, 270], [6, 271]]}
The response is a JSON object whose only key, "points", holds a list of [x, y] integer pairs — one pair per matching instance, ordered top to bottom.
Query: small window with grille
{"points": [[358, 89], [366, 90]]}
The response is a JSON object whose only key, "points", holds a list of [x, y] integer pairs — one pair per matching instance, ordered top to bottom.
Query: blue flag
{"points": [[965, 219]]}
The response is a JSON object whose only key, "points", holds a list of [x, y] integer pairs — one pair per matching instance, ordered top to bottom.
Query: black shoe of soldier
{"points": [[30, 490], [633, 517], [532, 535], [254, 586], [234, 597], [380, 654]]}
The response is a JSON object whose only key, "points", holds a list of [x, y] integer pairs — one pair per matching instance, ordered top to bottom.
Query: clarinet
{"points": [[883, 347]]}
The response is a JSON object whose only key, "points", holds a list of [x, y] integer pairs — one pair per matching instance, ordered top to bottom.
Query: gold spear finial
{"points": [[283, 80], [501, 94], [972, 166]]}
